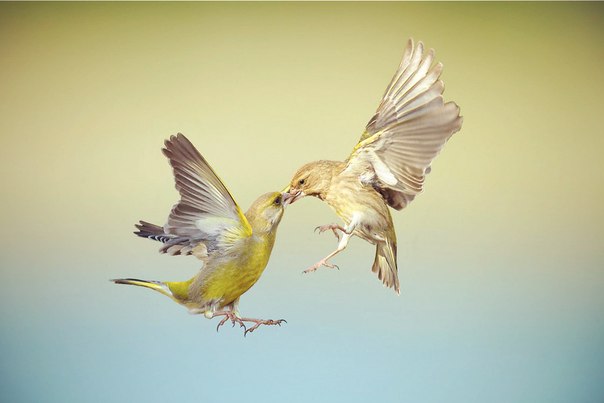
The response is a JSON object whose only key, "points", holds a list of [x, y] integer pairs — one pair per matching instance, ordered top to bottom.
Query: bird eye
{"points": [[301, 182], [277, 200]]}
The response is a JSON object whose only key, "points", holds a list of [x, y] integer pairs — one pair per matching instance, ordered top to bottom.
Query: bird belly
{"points": [[363, 206], [233, 278]]}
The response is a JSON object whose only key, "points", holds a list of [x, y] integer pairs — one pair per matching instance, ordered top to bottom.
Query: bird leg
{"points": [[346, 234], [324, 262], [229, 315], [259, 322]]}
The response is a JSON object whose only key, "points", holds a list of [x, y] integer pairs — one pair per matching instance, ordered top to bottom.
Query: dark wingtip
{"points": [[124, 280]]}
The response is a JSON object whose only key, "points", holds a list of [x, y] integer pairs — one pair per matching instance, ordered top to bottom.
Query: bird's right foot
{"points": [[322, 262], [259, 322]]}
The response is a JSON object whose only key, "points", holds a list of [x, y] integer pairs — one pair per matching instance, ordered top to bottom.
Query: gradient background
{"points": [[501, 259]]}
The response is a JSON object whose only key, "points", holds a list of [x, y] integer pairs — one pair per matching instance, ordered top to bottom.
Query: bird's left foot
{"points": [[333, 227], [322, 262], [229, 316], [259, 322]]}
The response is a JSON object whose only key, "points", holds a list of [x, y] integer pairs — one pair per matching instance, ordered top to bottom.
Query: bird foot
{"points": [[333, 227], [322, 262], [229, 316], [259, 322]]}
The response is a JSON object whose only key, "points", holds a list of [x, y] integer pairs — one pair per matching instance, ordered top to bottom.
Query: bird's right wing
{"points": [[409, 128], [206, 212]]}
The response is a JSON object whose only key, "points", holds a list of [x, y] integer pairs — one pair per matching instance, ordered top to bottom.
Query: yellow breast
{"points": [[235, 276]]}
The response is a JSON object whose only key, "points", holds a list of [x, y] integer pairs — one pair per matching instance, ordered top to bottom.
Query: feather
{"points": [[408, 130], [206, 214]]}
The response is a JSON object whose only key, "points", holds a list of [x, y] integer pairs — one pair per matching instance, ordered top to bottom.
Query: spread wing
{"points": [[409, 128], [206, 217]]}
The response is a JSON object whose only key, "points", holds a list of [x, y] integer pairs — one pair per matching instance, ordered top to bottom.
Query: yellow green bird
{"points": [[388, 165], [208, 224]]}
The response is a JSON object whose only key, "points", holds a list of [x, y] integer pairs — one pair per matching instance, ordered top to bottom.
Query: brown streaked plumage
{"points": [[388, 165]]}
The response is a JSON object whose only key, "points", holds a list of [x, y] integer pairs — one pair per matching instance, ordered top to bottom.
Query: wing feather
{"points": [[409, 128], [206, 212]]}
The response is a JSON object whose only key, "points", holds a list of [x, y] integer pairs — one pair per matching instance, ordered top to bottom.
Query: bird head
{"points": [[312, 179], [265, 213]]}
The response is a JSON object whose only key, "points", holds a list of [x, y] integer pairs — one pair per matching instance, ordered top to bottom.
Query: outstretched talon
{"points": [[333, 227], [322, 262], [229, 316], [235, 319], [259, 322]]}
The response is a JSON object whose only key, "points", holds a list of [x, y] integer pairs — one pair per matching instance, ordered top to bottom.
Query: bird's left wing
{"points": [[409, 128], [206, 212]]}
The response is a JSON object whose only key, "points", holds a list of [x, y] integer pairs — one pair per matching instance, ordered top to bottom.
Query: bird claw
{"points": [[333, 227], [322, 262], [331, 265], [310, 269], [234, 320], [222, 322], [259, 322]]}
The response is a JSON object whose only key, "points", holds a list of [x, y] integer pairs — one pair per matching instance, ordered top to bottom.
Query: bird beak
{"points": [[290, 195], [296, 195], [286, 198]]}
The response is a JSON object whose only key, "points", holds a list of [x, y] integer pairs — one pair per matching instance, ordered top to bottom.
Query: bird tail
{"points": [[152, 231], [173, 244], [385, 265], [158, 286]]}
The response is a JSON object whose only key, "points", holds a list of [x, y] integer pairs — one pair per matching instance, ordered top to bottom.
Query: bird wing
{"points": [[409, 128], [206, 212]]}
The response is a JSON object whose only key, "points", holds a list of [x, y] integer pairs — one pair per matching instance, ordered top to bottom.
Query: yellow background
{"points": [[501, 259]]}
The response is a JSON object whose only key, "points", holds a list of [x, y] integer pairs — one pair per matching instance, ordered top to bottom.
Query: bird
{"points": [[388, 165], [208, 224]]}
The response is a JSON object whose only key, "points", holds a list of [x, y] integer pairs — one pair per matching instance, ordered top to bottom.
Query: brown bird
{"points": [[388, 165]]}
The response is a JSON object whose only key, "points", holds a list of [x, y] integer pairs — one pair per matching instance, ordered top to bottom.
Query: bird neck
{"points": [[261, 227], [264, 229], [264, 238]]}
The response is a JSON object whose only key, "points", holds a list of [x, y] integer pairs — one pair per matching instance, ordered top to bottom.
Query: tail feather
{"points": [[152, 231], [173, 245], [385, 265], [154, 285]]}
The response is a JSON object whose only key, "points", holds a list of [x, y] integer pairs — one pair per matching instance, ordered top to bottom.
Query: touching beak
{"points": [[290, 195], [296, 195], [286, 198]]}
